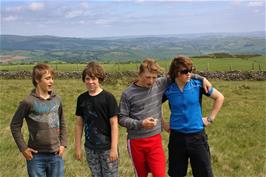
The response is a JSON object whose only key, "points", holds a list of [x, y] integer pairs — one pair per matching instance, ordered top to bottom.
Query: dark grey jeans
{"points": [[100, 165]]}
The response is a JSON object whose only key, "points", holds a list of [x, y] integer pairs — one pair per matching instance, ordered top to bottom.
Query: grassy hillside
{"points": [[237, 137]]}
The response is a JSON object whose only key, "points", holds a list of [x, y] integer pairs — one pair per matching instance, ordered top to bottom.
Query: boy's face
{"points": [[184, 74], [147, 79], [46, 82], [92, 83]]}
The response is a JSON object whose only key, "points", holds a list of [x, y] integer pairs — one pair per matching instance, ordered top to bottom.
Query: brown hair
{"points": [[178, 62], [151, 65], [93, 69], [39, 70]]}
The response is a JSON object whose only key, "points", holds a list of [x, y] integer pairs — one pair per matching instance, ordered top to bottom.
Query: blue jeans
{"points": [[46, 165]]}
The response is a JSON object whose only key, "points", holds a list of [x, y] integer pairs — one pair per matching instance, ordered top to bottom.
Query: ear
{"points": [[37, 81]]}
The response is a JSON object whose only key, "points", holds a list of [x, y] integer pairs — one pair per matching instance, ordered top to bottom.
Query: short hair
{"points": [[178, 62], [151, 65], [93, 69], [39, 70]]}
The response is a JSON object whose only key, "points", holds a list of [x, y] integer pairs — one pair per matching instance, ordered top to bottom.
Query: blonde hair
{"points": [[151, 65]]}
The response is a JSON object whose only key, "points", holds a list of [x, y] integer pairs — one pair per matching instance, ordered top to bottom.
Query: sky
{"points": [[101, 18]]}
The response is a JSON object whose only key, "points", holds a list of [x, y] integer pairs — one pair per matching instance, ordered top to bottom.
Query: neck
{"points": [[180, 84], [96, 91], [42, 94]]}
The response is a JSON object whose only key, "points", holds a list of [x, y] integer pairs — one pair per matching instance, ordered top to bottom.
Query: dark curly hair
{"points": [[93, 69]]}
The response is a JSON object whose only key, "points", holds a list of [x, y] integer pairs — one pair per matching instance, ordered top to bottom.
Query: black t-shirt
{"points": [[96, 112]]}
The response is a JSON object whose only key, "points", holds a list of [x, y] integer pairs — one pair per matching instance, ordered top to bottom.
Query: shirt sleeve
{"points": [[197, 77], [210, 91], [112, 106], [78, 108], [124, 115], [17, 123], [63, 133]]}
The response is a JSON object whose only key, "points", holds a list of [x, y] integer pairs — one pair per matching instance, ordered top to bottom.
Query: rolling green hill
{"points": [[73, 50]]}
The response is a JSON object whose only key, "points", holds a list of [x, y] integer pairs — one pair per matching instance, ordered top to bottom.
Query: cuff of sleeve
{"points": [[210, 91], [140, 124]]}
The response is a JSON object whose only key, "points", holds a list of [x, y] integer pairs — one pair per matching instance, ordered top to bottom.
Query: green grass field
{"points": [[202, 64], [236, 138]]}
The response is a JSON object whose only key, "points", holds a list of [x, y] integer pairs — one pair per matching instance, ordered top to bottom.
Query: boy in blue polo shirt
{"points": [[187, 138]]}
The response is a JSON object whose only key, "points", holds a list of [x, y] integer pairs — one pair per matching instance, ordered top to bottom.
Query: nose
{"points": [[90, 81], [151, 81]]}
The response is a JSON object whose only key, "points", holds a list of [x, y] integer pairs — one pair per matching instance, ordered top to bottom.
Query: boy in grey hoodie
{"points": [[43, 112]]}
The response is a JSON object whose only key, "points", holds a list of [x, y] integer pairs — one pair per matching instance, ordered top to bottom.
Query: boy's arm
{"points": [[206, 84], [218, 102], [124, 119], [16, 125], [165, 125], [63, 133], [78, 135], [114, 138]]}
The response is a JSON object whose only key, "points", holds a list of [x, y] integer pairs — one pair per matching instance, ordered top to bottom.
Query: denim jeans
{"points": [[46, 165]]}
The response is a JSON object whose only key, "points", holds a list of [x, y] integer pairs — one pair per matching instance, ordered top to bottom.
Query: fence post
{"points": [[253, 66], [230, 67]]}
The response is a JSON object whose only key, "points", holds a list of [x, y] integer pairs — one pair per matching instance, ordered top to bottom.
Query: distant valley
{"points": [[29, 49]]}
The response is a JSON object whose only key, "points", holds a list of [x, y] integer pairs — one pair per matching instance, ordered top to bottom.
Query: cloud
{"points": [[256, 4], [84, 5], [35, 6], [14, 9], [73, 13], [10, 18], [103, 22]]}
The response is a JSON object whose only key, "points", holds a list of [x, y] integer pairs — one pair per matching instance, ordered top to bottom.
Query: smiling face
{"points": [[92, 83]]}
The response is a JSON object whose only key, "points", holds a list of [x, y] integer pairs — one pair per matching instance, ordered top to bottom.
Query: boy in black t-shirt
{"points": [[97, 114]]}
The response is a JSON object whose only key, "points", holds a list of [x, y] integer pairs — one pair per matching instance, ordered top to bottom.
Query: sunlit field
{"points": [[202, 64], [236, 138]]}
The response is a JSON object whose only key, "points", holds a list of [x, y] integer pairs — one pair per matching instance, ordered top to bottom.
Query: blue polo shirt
{"points": [[186, 113]]}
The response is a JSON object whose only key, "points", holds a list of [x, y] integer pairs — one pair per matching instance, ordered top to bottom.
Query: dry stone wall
{"points": [[229, 75]]}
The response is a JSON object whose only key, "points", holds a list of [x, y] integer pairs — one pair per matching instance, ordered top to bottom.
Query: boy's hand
{"points": [[206, 85], [205, 122], [149, 123], [166, 126], [61, 151], [28, 153], [78, 154], [113, 155]]}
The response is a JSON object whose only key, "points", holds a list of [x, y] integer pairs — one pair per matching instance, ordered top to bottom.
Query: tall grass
{"points": [[236, 138]]}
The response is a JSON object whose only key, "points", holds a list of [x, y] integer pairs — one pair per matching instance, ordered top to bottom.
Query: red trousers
{"points": [[148, 156]]}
